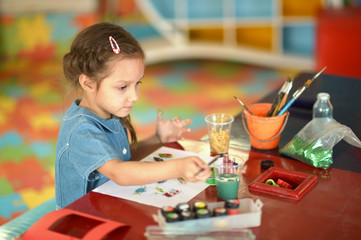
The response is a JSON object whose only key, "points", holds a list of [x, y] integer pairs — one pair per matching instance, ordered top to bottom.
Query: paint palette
{"points": [[300, 182]]}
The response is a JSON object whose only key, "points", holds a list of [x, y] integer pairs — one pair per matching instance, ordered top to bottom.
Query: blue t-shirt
{"points": [[85, 143]]}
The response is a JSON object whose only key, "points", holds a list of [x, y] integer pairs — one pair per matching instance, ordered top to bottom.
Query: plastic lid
{"points": [[323, 95], [232, 203], [199, 205], [183, 207], [202, 213], [172, 217]]}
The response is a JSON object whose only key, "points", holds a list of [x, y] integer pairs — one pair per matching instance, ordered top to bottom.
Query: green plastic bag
{"points": [[314, 143]]}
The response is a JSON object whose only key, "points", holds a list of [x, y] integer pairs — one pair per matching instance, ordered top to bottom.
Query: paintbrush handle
{"points": [[299, 92], [243, 105], [275, 105], [279, 105], [286, 107], [247, 109], [215, 159]]}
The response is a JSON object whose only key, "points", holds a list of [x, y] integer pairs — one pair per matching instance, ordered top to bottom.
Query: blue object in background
{"points": [[165, 8], [254, 8], [205, 9], [142, 31], [299, 39]]}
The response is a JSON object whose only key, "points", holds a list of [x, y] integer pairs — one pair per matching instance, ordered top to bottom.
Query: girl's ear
{"points": [[87, 84]]}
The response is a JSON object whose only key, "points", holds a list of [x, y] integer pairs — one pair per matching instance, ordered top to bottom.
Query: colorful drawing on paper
{"points": [[165, 155], [182, 180], [140, 190], [159, 190], [171, 193]]}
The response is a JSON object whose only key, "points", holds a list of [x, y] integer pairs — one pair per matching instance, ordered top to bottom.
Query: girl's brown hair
{"points": [[91, 54]]}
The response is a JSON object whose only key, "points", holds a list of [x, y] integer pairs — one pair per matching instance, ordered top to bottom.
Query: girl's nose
{"points": [[133, 97]]}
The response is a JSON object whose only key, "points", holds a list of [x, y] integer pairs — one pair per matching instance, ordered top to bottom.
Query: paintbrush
{"points": [[298, 92], [281, 97], [284, 97], [244, 106], [211, 162]]}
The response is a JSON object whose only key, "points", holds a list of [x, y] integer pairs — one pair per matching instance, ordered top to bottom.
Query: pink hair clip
{"points": [[115, 48]]}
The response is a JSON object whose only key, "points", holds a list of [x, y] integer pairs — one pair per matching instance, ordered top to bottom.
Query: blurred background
{"points": [[200, 53]]}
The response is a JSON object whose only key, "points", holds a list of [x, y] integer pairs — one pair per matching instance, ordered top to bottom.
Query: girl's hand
{"points": [[171, 130], [189, 168]]}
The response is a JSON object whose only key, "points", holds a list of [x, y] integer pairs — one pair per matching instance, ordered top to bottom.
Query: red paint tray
{"points": [[301, 182]]}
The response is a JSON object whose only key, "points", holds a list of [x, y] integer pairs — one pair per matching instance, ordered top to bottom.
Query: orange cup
{"points": [[264, 132]]}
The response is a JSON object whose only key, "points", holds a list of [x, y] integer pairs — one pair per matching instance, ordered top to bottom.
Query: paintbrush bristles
{"points": [[280, 100]]}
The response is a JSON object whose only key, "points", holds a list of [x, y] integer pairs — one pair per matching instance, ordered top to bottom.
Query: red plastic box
{"points": [[301, 183], [68, 224]]}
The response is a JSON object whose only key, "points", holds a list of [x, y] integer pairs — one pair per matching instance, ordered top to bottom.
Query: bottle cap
{"points": [[323, 95], [266, 164], [232, 203], [199, 205], [181, 207], [167, 209], [219, 211], [203, 213], [187, 215], [172, 217]]}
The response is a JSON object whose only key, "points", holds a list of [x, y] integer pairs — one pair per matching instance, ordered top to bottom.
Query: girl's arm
{"points": [[139, 173]]}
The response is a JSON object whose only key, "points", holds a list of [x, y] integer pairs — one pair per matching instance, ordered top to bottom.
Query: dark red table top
{"points": [[329, 210]]}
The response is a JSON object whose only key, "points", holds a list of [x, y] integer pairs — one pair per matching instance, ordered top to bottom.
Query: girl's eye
{"points": [[124, 87]]}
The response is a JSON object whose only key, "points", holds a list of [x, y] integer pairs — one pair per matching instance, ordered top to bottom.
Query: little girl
{"points": [[107, 65]]}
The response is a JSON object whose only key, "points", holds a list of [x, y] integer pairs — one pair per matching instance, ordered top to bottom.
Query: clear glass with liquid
{"points": [[227, 180]]}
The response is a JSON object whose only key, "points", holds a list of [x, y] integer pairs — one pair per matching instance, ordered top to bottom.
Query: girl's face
{"points": [[119, 91]]}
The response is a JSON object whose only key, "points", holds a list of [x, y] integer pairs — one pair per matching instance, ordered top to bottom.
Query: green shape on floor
{"points": [[16, 153], [5, 187]]}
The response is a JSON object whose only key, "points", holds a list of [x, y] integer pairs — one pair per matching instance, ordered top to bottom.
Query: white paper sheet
{"points": [[171, 192]]}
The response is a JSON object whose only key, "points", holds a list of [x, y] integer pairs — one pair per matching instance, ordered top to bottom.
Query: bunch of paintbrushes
{"points": [[298, 92], [280, 100], [279, 105]]}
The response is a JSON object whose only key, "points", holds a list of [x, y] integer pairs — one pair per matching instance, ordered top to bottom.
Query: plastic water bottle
{"points": [[323, 107]]}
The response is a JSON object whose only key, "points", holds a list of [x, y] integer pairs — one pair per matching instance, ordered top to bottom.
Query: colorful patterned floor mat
{"points": [[32, 105]]}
